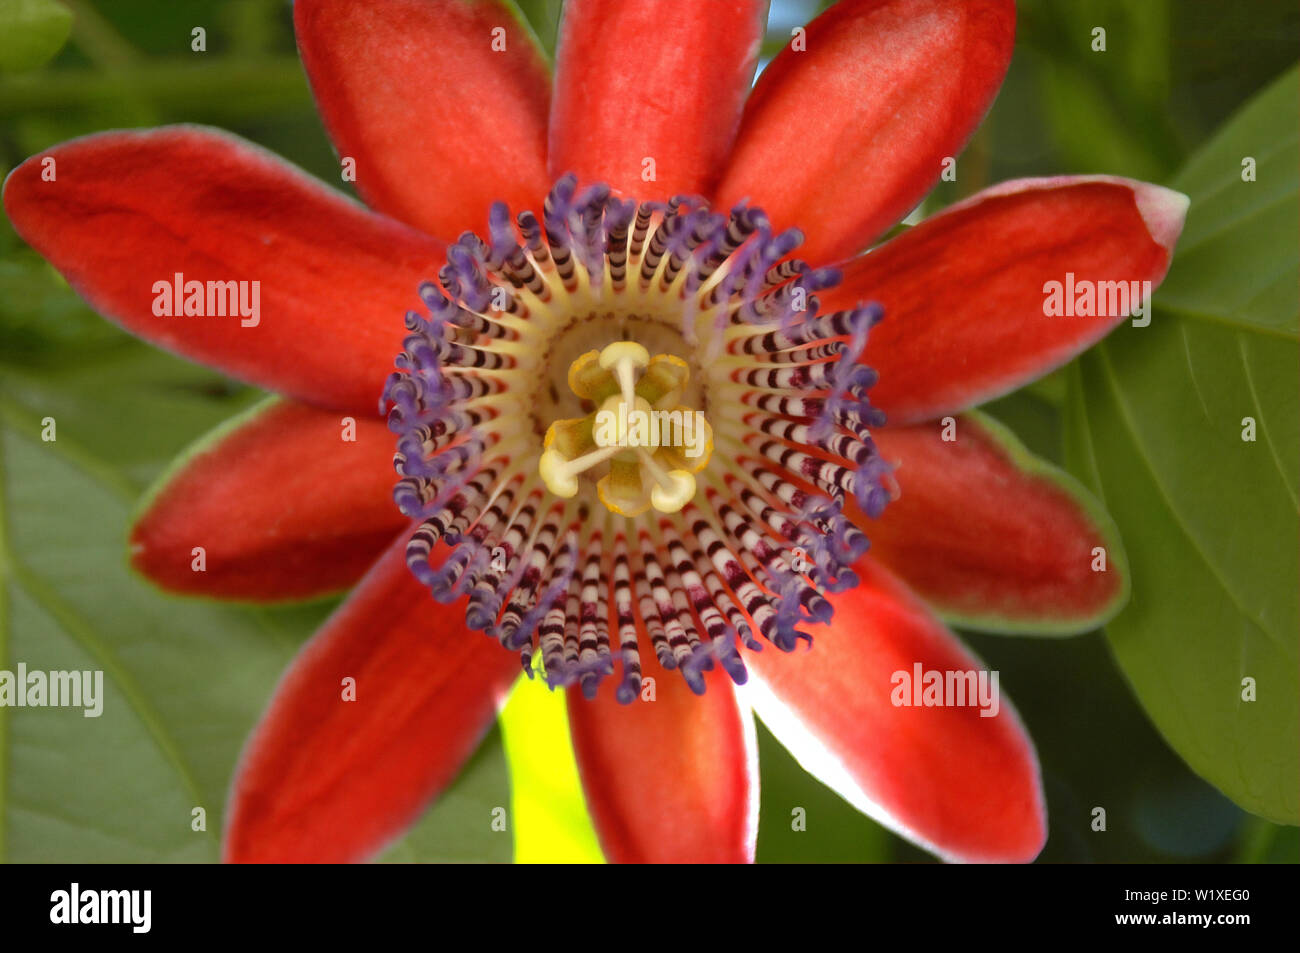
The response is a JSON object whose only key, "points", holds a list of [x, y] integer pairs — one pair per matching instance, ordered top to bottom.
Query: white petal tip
{"points": [[1163, 210]]}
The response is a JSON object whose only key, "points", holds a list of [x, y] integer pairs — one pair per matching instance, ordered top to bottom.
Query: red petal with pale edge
{"points": [[655, 79], [441, 103], [843, 138], [131, 209], [964, 292], [283, 506], [993, 537], [326, 780], [674, 780], [963, 786]]}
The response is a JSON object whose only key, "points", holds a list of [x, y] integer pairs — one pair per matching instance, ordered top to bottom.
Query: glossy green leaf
{"points": [[31, 31], [1237, 258], [1156, 422], [183, 680]]}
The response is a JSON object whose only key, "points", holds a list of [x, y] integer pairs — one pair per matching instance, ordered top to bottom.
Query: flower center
{"points": [[554, 415], [651, 445]]}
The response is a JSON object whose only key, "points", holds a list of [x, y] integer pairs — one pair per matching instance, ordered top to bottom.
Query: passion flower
{"points": [[559, 526], [609, 558]]}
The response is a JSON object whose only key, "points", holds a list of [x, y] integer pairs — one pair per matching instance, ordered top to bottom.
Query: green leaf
{"points": [[542, 18], [31, 31], [1237, 258], [100, 399], [1155, 421], [184, 680], [182, 684], [1097, 748], [801, 821], [458, 828], [1266, 843]]}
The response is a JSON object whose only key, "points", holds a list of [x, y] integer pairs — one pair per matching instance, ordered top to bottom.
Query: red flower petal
{"points": [[658, 79], [440, 119], [843, 138], [128, 209], [964, 291], [282, 505], [993, 537], [328, 780], [672, 780], [964, 786]]}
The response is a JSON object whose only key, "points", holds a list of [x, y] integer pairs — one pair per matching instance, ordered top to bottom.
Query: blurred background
{"points": [[1183, 91]]}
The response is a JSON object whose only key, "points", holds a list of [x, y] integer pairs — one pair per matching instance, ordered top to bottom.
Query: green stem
{"points": [[99, 39], [202, 89]]}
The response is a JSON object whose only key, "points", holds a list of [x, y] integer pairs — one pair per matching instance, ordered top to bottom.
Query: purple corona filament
{"points": [[583, 563]]}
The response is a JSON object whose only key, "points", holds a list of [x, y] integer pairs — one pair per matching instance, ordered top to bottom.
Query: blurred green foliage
{"points": [[34, 31], [1156, 420]]}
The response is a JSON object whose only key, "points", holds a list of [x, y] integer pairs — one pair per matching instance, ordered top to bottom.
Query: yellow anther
{"points": [[625, 359], [651, 442], [561, 475], [673, 489], [672, 498]]}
